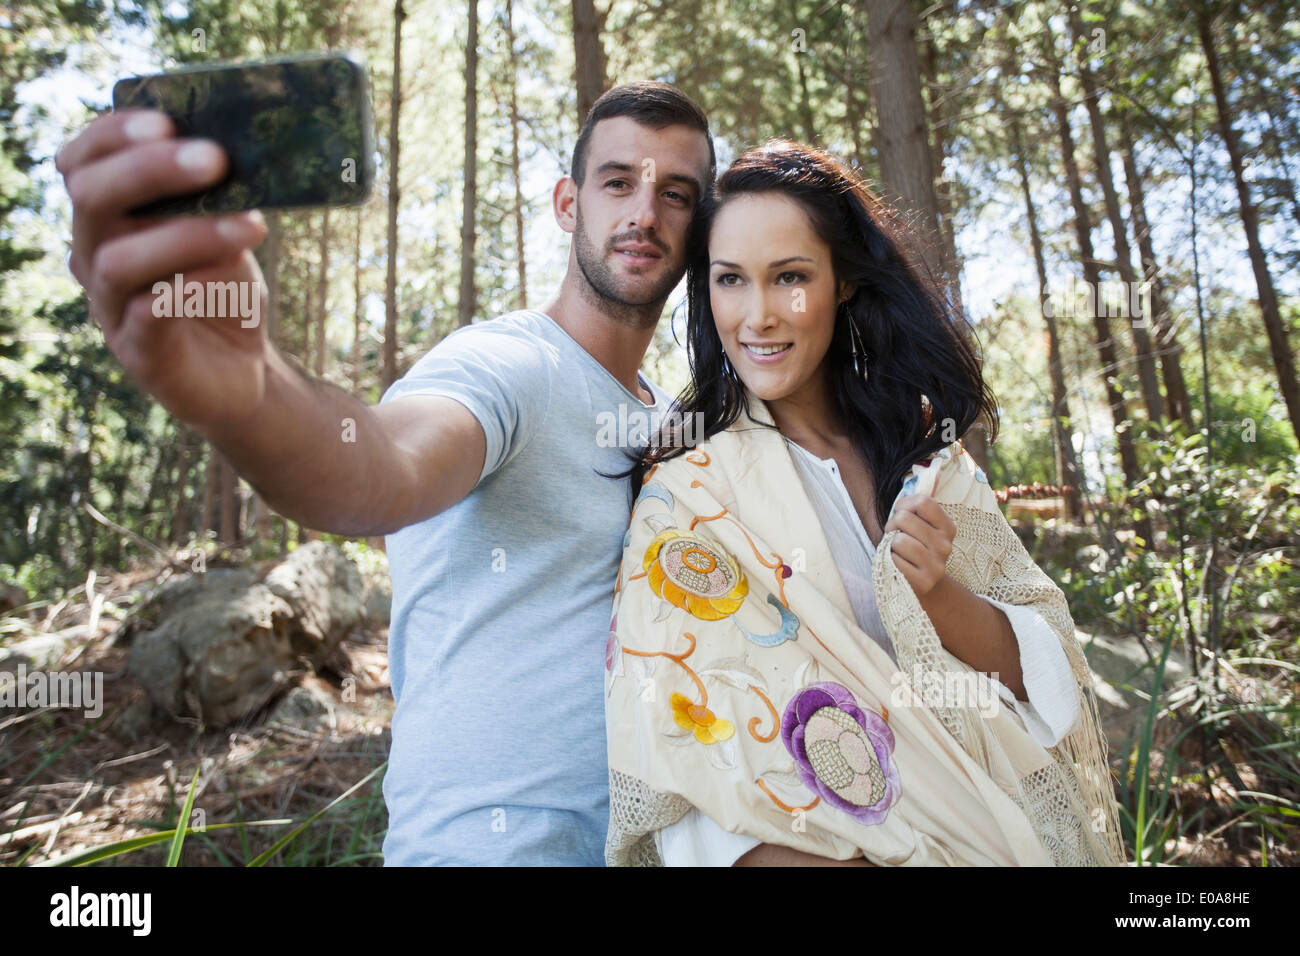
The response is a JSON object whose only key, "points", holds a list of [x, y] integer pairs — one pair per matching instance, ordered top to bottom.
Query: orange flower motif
{"points": [[694, 575], [709, 729]]}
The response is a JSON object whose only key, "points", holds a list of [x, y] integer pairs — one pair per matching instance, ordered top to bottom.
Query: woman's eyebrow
{"points": [[770, 265]]}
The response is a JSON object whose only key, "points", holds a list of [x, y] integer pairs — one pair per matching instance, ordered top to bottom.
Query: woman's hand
{"points": [[925, 536], [970, 627]]}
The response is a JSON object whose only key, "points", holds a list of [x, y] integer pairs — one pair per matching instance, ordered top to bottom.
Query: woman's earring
{"points": [[860, 354]]}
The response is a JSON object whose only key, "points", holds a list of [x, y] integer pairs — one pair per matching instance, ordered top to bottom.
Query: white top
{"points": [[1050, 712]]}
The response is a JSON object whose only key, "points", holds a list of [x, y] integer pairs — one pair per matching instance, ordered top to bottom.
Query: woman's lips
{"points": [[771, 359]]}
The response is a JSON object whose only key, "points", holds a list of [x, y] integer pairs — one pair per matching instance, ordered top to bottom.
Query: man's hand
{"points": [[208, 370], [924, 541]]}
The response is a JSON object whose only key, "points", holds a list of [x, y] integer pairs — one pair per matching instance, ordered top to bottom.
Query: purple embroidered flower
{"points": [[843, 751]]}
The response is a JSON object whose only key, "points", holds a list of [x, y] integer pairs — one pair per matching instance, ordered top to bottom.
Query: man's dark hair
{"points": [[651, 104]]}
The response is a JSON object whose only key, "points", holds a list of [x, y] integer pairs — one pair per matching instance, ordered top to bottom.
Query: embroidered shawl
{"points": [[738, 681]]}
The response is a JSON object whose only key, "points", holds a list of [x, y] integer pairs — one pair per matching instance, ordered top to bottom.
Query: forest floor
{"points": [[69, 783]]}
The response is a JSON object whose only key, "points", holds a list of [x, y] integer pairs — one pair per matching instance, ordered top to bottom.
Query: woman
{"points": [[827, 643]]}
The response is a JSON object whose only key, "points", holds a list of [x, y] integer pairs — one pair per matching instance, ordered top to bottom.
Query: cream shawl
{"points": [[738, 681]]}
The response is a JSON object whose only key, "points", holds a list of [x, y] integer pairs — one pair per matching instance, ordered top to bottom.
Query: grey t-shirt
{"points": [[501, 607]]}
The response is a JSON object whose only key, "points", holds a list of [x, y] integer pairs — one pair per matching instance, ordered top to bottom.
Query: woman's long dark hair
{"points": [[919, 347]]}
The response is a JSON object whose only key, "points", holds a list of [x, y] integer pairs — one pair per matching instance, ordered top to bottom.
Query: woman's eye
{"points": [[795, 276], [722, 279]]}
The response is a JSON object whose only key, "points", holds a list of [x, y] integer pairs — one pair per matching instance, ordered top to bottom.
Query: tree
{"points": [[589, 60], [902, 144], [394, 193], [467, 307], [1283, 360], [1146, 366]]}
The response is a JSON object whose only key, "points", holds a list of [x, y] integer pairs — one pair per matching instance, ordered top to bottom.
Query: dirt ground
{"points": [[69, 783]]}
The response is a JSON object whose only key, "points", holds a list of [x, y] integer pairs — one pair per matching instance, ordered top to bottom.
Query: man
{"points": [[481, 465]]}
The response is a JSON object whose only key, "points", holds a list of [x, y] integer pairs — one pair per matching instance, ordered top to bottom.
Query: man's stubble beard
{"points": [[599, 288]]}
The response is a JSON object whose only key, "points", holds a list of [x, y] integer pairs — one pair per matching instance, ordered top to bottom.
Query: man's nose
{"points": [[644, 215]]}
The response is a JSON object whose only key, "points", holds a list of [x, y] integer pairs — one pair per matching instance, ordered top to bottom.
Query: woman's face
{"points": [[772, 291]]}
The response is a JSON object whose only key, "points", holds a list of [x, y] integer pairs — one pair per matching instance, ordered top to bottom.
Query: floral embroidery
{"points": [[694, 575], [611, 645], [708, 729], [843, 751]]}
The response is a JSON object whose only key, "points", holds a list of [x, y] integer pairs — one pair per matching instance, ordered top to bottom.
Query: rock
{"points": [[324, 587], [379, 602], [221, 645], [1120, 661], [305, 708], [137, 718]]}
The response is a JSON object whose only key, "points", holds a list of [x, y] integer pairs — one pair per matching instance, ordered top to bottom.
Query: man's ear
{"points": [[564, 202]]}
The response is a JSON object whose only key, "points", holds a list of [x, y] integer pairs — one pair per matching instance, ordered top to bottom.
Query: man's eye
{"points": [[617, 182], [679, 196]]}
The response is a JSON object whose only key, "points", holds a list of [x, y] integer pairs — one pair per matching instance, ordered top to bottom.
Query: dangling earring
{"points": [[860, 354]]}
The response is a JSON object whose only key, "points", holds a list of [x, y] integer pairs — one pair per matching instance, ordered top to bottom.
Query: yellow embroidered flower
{"points": [[694, 575], [691, 716]]}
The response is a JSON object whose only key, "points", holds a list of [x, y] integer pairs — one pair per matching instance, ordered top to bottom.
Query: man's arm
{"points": [[315, 453], [321, 457]]}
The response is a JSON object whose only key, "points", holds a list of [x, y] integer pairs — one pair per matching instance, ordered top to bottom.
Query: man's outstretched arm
{"points": [[315, 453]]}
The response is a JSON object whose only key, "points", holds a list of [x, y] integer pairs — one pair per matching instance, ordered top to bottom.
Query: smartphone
{"points": [[297, 130]]}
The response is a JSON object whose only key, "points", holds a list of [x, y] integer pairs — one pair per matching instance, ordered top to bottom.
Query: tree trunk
{"points": [[589, 61], [805, 100], [901, 142], [903, 146], [514, 157], [943, 196], [271, 272], [1091, 274], [390, 285], [322, 292], [468, 306], [357, 308], [1167, 347], [1283, 360], [1146, 365], [1067, 468], [162, 469], [209, 491], [229, 501], [180, 515]]}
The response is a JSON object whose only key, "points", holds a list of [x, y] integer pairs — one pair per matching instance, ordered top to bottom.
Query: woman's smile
{"points": [[767, 354]]}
